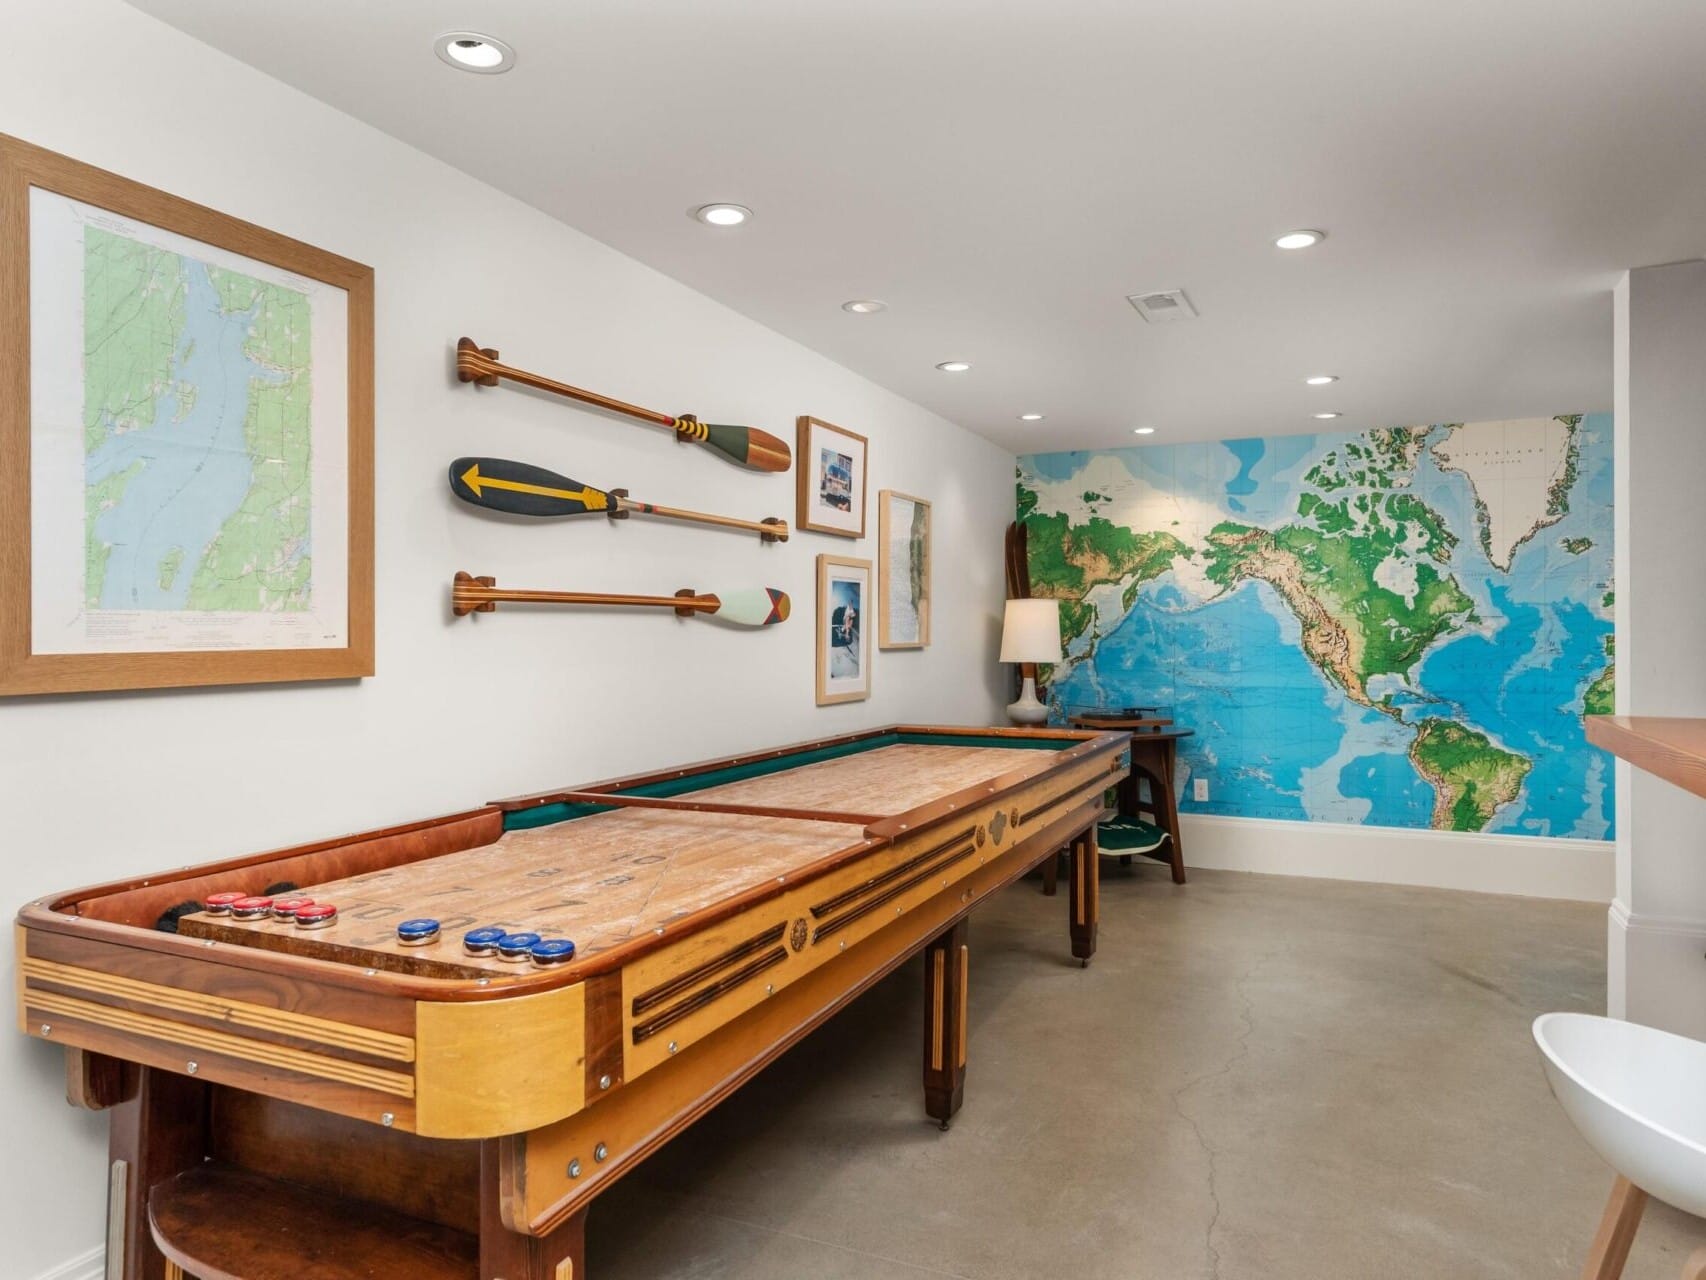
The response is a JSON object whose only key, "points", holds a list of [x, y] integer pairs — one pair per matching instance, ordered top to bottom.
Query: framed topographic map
{"points": [[186, 441], [903, 569]]}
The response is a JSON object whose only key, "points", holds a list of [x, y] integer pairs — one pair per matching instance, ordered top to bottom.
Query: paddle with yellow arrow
{"points": [[747, 446], [522, 490], [753, 607]]}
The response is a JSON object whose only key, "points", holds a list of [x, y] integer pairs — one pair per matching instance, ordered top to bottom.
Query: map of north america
{"points": [[196, 430], [1402, 627]]}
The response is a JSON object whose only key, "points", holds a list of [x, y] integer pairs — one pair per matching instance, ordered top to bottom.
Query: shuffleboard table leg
{"points": [[1084, 901], [946, 974], [157, 1132], [509, 1255]]}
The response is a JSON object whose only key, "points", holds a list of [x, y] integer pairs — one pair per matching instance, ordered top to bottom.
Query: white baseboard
{"points": [[1531, 866], [85, 1266]]}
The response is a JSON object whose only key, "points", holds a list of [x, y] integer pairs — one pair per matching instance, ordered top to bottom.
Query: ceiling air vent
{"points": [[1165, 307]]}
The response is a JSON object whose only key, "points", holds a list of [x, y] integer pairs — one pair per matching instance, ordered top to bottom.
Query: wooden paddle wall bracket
{"points": [[465, 372], [617, 511], [778, 530], [461, 605], [681, 612]]}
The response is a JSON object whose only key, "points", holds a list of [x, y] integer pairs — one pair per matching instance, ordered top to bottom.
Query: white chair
{"points": [[1638, 1095]]}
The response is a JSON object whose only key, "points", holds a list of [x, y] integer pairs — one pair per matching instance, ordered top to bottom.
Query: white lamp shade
{"points": [[1031, 631]]}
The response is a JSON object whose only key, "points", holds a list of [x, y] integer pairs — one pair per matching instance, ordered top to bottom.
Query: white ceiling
{"points": [[1003, 173]]}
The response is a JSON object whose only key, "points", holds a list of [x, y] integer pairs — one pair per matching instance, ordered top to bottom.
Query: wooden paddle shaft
{"points": [[474, 365], [770, 528], [470, 594]]}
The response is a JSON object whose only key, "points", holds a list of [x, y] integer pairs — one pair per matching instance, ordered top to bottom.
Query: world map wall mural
{"points": [[1402, 627]]}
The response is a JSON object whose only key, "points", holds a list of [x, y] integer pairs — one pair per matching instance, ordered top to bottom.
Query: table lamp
{"points": [[1030, 633]]}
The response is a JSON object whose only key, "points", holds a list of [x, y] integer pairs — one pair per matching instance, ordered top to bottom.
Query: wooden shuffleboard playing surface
{"points": [[607, 878]]}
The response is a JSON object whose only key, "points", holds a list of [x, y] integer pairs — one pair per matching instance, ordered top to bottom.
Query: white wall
{"points": [[460, 711], [1657, 925]]}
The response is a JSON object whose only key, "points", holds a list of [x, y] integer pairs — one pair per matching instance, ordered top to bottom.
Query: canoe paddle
{"points": [[748, 446], [500, 485], [761, 607]]}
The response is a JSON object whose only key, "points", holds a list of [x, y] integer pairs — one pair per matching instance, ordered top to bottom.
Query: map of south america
{"points": [[196, 434], [1400, 627]]}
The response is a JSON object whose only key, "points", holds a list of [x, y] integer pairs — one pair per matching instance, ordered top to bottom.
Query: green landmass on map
{"points": [[133, 318], [97, 497], [1576, 546], [1067, 560], [252, 564], [169, 566], [1353, 627], [1470, 776]]}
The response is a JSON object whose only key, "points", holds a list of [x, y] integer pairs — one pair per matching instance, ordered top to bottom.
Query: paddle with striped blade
{"points": [[748, 446], [501, 485], [752, 607]]}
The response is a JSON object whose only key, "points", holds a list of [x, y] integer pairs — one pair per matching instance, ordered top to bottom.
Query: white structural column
{"points": [[1656, 954]]}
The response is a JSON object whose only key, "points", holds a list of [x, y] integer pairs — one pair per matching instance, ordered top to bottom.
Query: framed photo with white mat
{"points": [[830, 465], [843, 630]]}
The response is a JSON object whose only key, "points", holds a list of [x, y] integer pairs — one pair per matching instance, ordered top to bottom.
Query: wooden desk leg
{"points": [[1168, 804], [1051, 873], [1084, 902], [947, 963], [157, 1133], [1611, 1243], [508, 1255], [1695, 1267]]}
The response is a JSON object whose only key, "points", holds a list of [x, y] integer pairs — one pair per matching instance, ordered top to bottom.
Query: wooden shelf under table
{"points": [[1671, 747], [219, 1222]]}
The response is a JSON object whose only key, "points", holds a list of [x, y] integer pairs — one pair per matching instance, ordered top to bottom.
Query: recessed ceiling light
{"points": [[471, 51], [722, 215], [1300, 239], [864, 306], [953, 366], [1322, 379], [1329, 415], [1030, 417], [1143, 431]]}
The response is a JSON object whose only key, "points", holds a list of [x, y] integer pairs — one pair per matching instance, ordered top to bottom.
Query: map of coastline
{"points": [[196, 431], [1381, 598]]}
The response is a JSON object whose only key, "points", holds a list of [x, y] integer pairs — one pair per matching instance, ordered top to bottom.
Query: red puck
{"points": [[219, 904], [251, 908], [286, 908], [316, 916]]}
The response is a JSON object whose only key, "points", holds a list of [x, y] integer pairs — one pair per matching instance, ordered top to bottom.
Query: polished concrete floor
{"points": [[1259, 1078]]}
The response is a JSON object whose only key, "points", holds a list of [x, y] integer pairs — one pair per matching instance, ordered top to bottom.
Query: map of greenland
{"points": [[196, 434], [1521, 471]]}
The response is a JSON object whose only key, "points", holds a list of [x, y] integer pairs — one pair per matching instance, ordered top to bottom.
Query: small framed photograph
{"points": [[830, 464], [903, 569], [843, 636]]}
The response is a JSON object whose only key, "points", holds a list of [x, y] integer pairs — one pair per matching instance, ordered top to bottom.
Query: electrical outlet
{"points": [[1199, 790]]}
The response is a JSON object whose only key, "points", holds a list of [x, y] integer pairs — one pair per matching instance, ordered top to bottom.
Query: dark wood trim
{"points": [[709, 806]]}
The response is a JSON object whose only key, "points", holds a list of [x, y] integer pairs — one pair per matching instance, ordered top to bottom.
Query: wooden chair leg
{"points": [[1051, 873], [1611, 1243], [1695, 1267]]}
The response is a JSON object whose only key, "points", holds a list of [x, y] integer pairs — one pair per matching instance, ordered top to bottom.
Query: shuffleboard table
{"points": [[292, 1097]]}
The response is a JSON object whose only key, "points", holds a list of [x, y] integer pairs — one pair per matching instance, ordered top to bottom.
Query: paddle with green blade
{"points": [[748, 446], [523, 490], [753, 607]]}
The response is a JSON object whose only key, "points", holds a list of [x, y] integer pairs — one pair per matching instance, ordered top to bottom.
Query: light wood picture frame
{"points": [[186, 441], [829, 470], [903, 569], [843, 630]]}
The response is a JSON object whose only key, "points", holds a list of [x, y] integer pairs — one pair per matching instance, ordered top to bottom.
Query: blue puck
{"points": [[413, 933], [482, 942], [516, 946], [552, 951]]}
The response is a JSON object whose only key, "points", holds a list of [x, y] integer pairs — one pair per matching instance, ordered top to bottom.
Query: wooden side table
{"points": [[1154, 753]]}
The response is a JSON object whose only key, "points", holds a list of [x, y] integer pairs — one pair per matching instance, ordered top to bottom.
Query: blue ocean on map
{"points": [[196, 466], [1274, 737]]}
